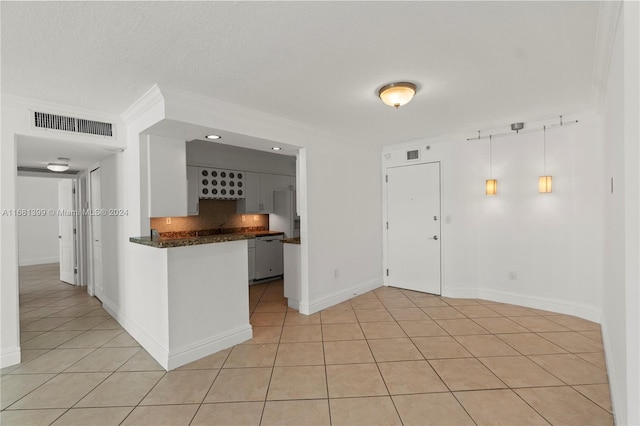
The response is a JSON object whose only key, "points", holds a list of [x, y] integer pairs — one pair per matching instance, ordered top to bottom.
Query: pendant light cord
{"points": [[544, 148], [490, 157]]}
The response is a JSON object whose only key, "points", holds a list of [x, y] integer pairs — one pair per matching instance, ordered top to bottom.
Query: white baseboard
{"points": [[38, 261], [461, 293], [338, 297], [544, 303], [293, 304], [585, 312], [206, 347], [155, 348], [10, 356], [170, 360], [611, 373]]}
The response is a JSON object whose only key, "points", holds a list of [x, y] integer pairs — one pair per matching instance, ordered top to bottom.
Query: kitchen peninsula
{"points": [[192, 298]]}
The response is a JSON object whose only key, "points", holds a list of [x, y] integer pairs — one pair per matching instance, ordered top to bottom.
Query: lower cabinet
{"points": [[251, 244]]}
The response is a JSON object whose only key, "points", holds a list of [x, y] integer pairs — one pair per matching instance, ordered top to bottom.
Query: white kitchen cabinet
{"points": [[166, 177], [283, 183], [258, 194], [193, 202], [251, 247], [292, 275]]}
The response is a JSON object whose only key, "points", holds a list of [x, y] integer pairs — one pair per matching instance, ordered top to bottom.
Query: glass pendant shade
{"points": [[397, 94], [545, 184], [491, 187]]}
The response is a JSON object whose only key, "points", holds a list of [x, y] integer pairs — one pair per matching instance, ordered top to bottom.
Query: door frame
{"points": [[385, 218], [81, 226], [89, 233]]}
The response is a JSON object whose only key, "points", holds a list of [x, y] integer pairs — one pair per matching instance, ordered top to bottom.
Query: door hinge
{"points": [[386, 178], [387, 225], [74, 231], [75, 271], [387, 272]]}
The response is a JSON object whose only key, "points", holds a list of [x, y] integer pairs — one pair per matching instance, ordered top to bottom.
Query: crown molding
{"points": [[608, 18], [13, 101], [144, 103]]}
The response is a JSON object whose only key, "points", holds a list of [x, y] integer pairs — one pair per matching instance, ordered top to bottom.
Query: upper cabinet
{"points": [[166, 177], [282, 183], [258, 194], [193, 199]]}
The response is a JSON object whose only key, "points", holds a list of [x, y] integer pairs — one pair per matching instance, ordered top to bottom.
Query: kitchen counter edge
{"points": [[291, 240], [194, 241]]}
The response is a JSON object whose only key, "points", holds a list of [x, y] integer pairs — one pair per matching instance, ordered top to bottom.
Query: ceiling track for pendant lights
{"points": [[518, 128]]}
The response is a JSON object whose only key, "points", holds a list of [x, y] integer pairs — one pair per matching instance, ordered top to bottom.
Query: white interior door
{"points": [[96, 234], [413, 235], [66, 238]]}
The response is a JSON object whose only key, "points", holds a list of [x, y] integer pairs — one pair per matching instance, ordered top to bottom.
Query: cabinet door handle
{"points": [[435, 237]]}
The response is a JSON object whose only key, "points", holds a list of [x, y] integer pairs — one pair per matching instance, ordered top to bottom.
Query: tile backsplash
{"points": [[212, 214]]}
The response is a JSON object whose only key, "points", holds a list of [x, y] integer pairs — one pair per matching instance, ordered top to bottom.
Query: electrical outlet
{"points": [[244, 218], [256, 218], [168, 221], [335, 273], [513, 275]]}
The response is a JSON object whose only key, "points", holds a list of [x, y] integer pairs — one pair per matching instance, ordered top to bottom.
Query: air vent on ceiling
{"points": [[71, 124], [413, 155]]}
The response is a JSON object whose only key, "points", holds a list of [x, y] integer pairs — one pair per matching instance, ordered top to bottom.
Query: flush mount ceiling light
{"points": [[397, 94], [213, 137], [276, 148], [62, 165], [545, 182]]}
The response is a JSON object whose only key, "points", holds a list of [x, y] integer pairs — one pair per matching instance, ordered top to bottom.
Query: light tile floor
{"points": [[387, 357]]}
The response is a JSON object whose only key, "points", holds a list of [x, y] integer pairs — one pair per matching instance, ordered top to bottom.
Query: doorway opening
{"points": [[57, 229]]}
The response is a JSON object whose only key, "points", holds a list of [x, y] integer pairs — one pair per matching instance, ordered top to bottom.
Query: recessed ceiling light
{"points": [[213, 137], [276, 148]]}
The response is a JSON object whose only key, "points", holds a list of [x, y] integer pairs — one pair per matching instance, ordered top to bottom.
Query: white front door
{"points": [[96, 234], [413, 234], [66, 238]]}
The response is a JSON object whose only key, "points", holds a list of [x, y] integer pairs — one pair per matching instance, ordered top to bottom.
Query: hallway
{"points": [[386, 357]]}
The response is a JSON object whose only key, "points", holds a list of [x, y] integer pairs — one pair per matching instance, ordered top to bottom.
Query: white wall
{"points": [[37, 235], [552, 241], [621, 300]]}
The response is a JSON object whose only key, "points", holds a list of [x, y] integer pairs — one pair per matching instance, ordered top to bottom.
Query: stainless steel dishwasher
{"points": [[269, 261]]}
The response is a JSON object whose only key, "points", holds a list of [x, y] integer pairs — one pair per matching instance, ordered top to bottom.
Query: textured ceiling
{"points": [[477, 64]]}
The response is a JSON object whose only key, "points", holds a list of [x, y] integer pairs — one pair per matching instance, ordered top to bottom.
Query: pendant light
{"points": [[545, 182], [491, 185]]}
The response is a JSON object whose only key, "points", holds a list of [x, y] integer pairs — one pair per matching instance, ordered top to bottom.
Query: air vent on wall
{"points": [[45, 120], [413, 155]]}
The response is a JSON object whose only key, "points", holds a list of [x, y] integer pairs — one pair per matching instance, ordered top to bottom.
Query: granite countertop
{"points": [[193, 239], [291, 240]]}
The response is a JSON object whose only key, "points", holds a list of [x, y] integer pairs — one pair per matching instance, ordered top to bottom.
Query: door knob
{"points": [[435, 237]]}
